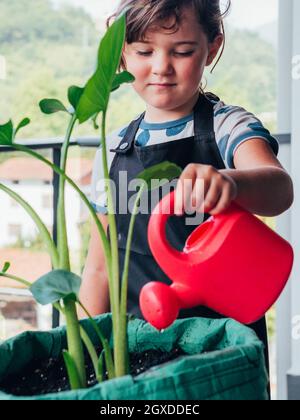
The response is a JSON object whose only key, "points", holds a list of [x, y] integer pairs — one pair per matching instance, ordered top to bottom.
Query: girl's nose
{"points": [[162, 65]]}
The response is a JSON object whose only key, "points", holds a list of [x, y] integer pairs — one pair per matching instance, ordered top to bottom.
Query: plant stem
{"points": [[39, 224], [62, 236], [18, 279], [114, 283], [58, 307], [123, 309], [122, 335], [75, 347], [107, 351], [92, 352], [74, 379]]}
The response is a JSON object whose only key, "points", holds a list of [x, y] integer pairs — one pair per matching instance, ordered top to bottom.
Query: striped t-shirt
{"points": [[233, 126]]}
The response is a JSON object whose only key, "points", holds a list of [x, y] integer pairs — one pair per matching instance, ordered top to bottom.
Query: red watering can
{"points": [[232, 263]]}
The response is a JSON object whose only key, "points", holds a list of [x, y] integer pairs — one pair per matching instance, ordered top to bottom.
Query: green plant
{"points": [[60, 287]]}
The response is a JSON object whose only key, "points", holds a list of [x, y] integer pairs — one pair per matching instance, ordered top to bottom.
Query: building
{"points": [[32, 180]]}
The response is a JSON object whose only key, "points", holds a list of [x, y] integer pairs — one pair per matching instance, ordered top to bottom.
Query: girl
{"points": [[168, 45]]}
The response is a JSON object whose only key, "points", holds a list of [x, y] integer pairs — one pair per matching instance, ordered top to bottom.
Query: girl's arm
{"points": [[259, 184], [263, 186], [94, 293]]}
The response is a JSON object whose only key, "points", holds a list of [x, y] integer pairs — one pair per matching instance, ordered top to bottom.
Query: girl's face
{"points": [[168, 68]]}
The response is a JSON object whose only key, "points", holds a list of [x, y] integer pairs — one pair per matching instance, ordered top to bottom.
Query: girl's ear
{"points": [[214, 48], [123, 59], [123, 64]]}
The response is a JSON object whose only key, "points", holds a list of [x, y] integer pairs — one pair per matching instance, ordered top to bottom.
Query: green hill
{"points": [[49, 49]]}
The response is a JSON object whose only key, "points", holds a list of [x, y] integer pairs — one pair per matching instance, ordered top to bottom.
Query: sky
{"points": [[247, 14]]}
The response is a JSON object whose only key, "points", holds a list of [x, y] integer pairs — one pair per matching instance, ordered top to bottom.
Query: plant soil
{"points": [[44, 377]]}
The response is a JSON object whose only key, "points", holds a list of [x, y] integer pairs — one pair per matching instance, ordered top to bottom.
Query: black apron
{"points": [[133, 159]]}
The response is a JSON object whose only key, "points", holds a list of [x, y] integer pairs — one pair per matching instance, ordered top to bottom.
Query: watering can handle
{"points": [[158, 242], [159, 245]]}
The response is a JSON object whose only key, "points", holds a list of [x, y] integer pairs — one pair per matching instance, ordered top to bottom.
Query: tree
{"points": [[43, 22], [46, 50], [246, 73]]}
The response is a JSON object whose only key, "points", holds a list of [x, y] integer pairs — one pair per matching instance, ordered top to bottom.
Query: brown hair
{"points": [[143, 14]]}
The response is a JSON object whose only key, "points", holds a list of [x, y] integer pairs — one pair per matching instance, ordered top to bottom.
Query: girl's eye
{"points": [[143, 53], [187, 53], [184, 54]]}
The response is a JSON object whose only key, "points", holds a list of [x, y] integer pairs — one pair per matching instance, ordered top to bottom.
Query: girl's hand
{"points": [[203, 188]]}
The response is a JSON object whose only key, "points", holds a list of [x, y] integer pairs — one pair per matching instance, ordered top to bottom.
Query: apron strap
{"points": [[203, 117], [129, 137]]}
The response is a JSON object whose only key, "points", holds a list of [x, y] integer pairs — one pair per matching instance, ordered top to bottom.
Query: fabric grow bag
{"points": [[225, 361]]}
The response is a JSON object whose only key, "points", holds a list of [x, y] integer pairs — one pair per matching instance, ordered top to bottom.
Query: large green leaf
{"points": [[120, 78], [97, 91], [74, 95], [51, 106], [22, 124], [6, 133], [165, 171], [56, 285]]}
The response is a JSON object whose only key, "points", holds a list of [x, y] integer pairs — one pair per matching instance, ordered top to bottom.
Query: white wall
{"points": [[33, 193]]}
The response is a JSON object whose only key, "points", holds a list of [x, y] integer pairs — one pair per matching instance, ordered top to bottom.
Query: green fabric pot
{"points": [[225, 362]]}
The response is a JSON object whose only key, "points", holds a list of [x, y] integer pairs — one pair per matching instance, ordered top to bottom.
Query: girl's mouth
{"points": [[162, 85]]}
